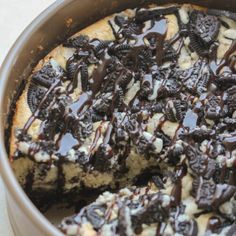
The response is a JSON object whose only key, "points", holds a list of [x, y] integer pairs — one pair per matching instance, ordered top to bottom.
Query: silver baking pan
{"points": [[59, 21]]}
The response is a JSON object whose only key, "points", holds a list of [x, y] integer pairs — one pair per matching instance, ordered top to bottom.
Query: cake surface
{"points": [[144, 98], [144, 211]]}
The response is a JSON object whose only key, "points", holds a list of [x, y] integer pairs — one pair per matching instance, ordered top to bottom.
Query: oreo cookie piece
{"points": [[145, 15], [207, 27], [129, 29], [203, 30], [77, 42], [100, 48], [170, 54], [71, 68], [47, 75], [84, 77], [196, 78], [204, 80], [226, 80], [41, 81], [146, 86], [170, 88], [36, 95], [231, 100], [103, 103], [213, 109], [173, 110], [54, 119], [81, 127], [199, 134], [174, 153], [81, 157], [102, 158], [199, 163], [205, 193], [210, 195], [154, 212], [95, 215], [124, 221], [186, 226]]}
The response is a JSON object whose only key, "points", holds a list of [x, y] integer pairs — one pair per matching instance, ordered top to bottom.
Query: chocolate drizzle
{"points": [[177, 189]]}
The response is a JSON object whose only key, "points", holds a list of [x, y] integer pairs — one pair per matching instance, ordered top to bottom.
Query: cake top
{"points": [[127, 84]]}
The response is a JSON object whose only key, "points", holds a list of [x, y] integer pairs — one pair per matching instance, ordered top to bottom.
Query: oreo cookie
{"points": [[203, 30], [77, 42], [41, 81], [210, 195]]}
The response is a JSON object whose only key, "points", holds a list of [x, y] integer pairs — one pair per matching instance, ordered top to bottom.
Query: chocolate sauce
{"points": [[158, 31], [99, 74], [78, 105], [190, 120], [98, 134], [108, 134], [66, 142], [232, 176], [177, 189], [213, 224], [160, 229]]}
